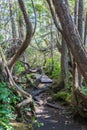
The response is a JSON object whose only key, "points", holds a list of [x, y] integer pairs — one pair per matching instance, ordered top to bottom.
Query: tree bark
{"points": [[76, 12], [80, 18], [12, 22], [20, 28], [80, 29], [85, 33], [72, 36], [64, 63]]}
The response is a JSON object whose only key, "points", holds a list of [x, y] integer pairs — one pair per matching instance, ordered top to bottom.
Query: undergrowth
{"points": [[55, 73], [63, 96], [8, 100]]}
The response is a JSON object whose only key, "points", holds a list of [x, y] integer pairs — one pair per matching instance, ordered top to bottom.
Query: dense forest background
{"points": [[42, 43]]}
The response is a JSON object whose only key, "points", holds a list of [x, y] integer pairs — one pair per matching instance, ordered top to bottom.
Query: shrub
{"points": [[7, 102]]}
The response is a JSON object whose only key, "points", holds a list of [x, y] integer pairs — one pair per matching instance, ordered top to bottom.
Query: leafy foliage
{"points": [[19, 67], [56, 67], [84, 89], [7, 102]]}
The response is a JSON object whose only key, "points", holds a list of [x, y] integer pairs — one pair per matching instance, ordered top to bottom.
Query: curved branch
{"points": [[28, 35], [25, 63]]}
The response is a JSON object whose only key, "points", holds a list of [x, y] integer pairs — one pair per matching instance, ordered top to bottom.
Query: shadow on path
{"points": [[55, 119]]}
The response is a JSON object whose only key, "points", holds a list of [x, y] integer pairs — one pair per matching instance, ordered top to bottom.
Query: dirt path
{"points": [[55, 119], [58, 119]]}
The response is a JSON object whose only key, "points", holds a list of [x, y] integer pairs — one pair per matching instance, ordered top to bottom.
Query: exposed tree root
{"points": [[12, 82], [24, 102]]}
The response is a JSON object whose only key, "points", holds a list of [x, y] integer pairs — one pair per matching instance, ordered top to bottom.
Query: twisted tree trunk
{"points": [[72, 36]]}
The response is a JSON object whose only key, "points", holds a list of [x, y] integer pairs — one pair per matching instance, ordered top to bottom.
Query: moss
{"points": [[63, 96]]}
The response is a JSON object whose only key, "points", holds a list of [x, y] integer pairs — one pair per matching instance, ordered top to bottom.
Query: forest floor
{"points": [[53, 115], [59, 118]]}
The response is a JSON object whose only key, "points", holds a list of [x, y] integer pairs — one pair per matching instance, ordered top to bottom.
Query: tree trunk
{"points": [[76, 12], [80, 18], [12, 22], [20, 28], [80, 29], [85, 33], [21, 36], [72, 36], [51, 50], [64, 63], [75, 70]]}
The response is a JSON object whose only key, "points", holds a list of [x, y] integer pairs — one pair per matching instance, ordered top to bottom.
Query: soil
{"points": [[55, 118], [58, 119]]}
